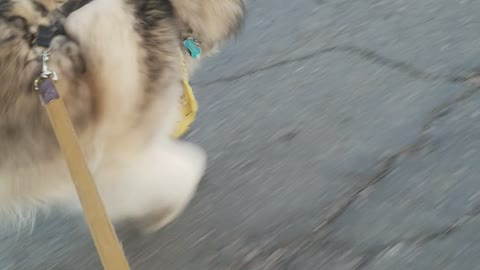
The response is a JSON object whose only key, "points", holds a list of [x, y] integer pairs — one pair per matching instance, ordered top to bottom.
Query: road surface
{"points": [[342, 135]]}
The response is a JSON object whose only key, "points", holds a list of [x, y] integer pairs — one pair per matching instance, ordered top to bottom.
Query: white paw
{"points": [[194, 156]]}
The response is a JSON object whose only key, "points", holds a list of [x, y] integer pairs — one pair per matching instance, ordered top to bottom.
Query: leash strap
{"points": [[103, 234]]}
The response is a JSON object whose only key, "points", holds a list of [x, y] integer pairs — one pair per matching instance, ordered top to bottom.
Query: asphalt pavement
{"points": [[342, 135]]}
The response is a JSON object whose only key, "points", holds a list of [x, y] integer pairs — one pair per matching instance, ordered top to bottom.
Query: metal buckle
{"points": [[46, 73]]}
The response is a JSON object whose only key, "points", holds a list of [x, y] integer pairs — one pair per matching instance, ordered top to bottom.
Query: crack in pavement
{"points": [[365, 53], [267, 67], [438, 113], [386, 166], [338, 208], [418, 240], [280, 255], [283, 257]]}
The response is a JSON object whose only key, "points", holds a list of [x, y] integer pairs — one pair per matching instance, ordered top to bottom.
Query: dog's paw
{"points": [[153, 221]]}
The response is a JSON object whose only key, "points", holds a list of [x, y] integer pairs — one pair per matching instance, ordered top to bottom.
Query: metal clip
{"points": [[46, 73]]}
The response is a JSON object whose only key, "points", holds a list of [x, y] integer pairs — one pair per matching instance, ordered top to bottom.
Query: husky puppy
{"points": [[120, 75]]}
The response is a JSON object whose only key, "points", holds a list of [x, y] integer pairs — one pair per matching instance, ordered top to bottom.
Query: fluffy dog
{"points": [[120, 74]]}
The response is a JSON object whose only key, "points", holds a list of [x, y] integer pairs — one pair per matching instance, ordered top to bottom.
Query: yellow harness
{"points": [[189, 103]]}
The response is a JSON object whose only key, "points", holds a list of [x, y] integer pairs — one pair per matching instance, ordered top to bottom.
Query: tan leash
{"points": [[103, 234]]}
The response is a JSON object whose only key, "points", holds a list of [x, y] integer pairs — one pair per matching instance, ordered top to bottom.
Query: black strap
{"points": [[45, 35]]}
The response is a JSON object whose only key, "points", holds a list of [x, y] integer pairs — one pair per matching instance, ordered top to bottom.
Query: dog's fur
{"points": [[121, 78]]}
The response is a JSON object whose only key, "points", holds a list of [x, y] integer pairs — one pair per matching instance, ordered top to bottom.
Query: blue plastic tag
{"points": [[193, 49]]}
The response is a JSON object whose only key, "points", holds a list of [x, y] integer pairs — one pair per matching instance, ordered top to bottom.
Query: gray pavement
{"points": [[342, 135]]}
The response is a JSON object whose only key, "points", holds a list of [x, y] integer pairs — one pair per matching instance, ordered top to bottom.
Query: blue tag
{"points": [[193, 49]]}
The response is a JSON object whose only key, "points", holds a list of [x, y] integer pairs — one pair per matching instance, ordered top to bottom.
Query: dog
{"points": [[120, 74]]}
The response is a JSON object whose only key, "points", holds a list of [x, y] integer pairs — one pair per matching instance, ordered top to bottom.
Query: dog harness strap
{"points": [[45, 35], [189, 103]]}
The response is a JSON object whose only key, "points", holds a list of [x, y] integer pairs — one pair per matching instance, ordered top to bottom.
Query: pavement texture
{"points": [[342, 135]]}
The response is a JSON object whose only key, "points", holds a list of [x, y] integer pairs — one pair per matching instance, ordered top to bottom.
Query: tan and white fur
{"points": [[121, 78]]}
